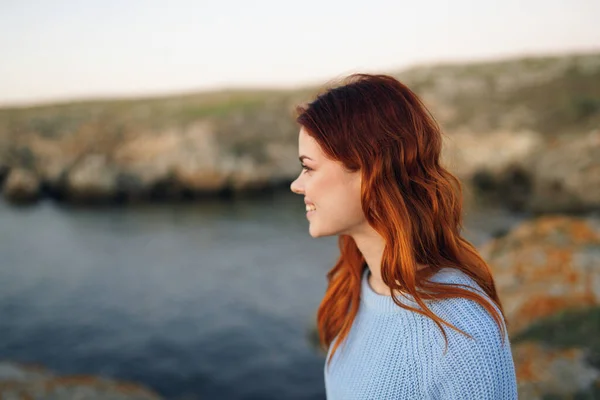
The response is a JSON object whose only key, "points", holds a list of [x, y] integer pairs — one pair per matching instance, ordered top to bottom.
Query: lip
{"points": [[309, 203]]}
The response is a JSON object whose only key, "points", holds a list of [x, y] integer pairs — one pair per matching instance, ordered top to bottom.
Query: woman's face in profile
{"points": [[329, 190]]}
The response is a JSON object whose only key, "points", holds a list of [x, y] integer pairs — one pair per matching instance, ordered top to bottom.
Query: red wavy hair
{"points": [[376, 125]]}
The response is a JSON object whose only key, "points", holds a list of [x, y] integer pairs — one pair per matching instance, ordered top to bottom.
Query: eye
{"points": [[306, 168]]}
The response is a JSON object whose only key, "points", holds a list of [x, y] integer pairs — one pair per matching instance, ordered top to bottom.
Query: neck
{"points": [[371, 245]]}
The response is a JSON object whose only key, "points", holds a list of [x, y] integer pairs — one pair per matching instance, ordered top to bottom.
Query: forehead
{"points": [[307, 145]]}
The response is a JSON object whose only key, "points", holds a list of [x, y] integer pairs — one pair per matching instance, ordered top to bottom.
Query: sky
{"points": [[64, 50]]}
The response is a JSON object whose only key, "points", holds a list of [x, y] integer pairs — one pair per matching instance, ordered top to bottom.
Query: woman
{"points": [[411, 309]]}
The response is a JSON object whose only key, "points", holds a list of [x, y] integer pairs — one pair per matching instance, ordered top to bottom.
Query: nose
{"points": [[296, 187]]}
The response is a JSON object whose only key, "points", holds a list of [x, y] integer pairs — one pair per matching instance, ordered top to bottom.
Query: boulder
{"points": [[467, 153], [187, 158], [493, 166], [525, 171], [566, 175], [93, 178], [21, 186], [544, 266], [559, 356], [545, 372]]}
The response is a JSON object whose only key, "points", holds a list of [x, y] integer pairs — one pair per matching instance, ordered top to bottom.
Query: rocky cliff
{"points": [[522, 132]]}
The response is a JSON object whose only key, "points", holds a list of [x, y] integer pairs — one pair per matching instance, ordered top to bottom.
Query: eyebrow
{"points": [[303, 157]]}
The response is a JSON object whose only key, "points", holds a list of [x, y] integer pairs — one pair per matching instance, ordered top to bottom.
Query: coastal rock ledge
{"points": [[37, 383]]}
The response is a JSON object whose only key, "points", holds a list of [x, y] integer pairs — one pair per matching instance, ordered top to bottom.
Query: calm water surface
{"points": [[209, 300]]}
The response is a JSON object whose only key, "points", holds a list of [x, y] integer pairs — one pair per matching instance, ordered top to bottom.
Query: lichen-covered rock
{"points": [[21, 186], [544, 266], [559, 356], [544, 371], [36, 383]]}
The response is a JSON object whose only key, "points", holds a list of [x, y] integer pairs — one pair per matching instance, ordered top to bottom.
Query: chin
{"points": [[315, 232]]}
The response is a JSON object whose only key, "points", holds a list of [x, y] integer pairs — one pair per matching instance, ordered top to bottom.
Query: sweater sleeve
{"points": [[481, 368]]}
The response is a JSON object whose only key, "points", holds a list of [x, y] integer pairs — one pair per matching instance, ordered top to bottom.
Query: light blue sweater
{"points": [[392, 353]]}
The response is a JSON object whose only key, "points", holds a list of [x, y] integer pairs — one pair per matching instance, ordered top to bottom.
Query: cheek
{"points": [[316, 185], [335, 191], [342, 195], [353, 196], [354, 202]]}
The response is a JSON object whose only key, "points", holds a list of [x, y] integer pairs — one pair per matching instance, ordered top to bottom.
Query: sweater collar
{"points": [[385, 304]]}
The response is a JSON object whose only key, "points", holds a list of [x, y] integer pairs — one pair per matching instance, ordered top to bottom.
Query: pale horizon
{"points": [[67, 51]]}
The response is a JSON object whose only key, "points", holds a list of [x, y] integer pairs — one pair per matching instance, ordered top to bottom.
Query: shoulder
{"points": [[467, 315], [482, 361]]}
